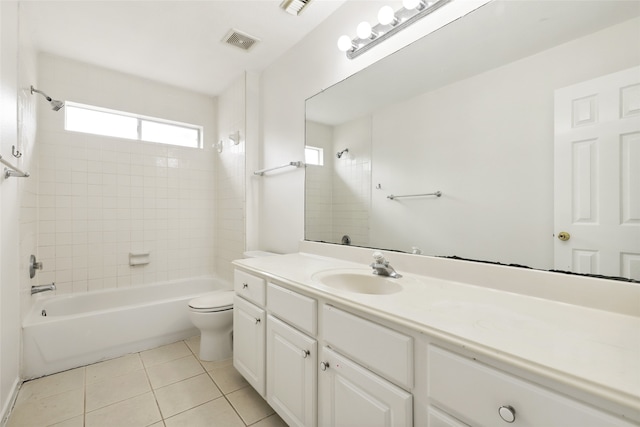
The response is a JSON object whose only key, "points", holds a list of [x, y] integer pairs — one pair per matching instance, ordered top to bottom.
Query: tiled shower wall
{"points": [[318, 187], [338, 194], [101, 198]]}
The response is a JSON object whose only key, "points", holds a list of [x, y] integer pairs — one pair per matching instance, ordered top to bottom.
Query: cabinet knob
{"points": [[245, 285], [257, 320], [305, 353], [324, 365], [507, 413]]}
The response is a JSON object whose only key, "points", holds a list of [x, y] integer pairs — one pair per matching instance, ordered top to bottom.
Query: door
{"points": [[597, 176], [249, 342], [292, 373], [352, 396]]}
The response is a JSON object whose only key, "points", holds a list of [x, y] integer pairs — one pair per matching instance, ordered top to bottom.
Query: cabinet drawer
{"points": [[249, 287], [298, 310], [383, 350], [474, 393]]}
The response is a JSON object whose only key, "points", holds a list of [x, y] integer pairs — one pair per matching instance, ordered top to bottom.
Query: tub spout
{"points": [[43, 288]]}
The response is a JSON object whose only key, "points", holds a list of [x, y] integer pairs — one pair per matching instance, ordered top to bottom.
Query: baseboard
{"points": [[8, 405]]}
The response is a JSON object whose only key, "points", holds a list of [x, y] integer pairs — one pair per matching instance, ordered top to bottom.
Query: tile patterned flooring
{"points": [[164, 387]]}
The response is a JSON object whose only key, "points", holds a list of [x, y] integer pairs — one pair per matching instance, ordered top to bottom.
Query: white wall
{"points": [[313, 64], [230, 178], [101, 198], [11, 199]]}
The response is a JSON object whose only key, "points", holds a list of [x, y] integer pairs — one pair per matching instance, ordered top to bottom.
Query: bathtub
{"points": [[81, 329]]}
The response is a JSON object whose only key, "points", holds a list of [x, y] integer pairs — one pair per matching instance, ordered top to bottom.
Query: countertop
{"points": [[594, 350]]}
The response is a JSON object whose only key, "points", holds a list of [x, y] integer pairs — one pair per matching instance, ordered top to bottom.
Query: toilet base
{"points": [[215, 346]]}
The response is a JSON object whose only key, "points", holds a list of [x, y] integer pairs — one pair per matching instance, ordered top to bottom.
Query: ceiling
{"points": [[173, 42]]}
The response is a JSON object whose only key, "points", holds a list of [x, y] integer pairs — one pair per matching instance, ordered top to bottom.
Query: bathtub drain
{"points": [[44, 312]]}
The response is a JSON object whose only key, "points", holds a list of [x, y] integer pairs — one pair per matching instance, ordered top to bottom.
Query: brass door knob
{"points": [[564, 236]]}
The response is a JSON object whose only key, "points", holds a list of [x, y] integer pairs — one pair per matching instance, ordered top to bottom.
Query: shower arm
{"points": [[33, 89]]}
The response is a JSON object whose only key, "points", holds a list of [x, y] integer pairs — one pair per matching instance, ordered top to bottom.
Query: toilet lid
{"points": [[219, 300]]}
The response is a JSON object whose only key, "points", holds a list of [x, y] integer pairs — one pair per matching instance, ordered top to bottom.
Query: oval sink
{"points": [[360, 282]]}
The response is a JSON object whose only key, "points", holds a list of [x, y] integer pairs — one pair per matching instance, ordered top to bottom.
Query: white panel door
{"points": [[597, 176], [249, 342], [291, 373], [352, 396]]}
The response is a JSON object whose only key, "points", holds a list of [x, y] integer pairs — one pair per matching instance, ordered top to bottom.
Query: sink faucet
{"points": [[381, 266], [43, 288]]}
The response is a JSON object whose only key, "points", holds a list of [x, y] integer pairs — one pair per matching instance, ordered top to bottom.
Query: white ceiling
{"points": [[174, 42]]}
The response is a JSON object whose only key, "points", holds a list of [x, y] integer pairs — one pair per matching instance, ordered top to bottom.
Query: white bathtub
{"points": [[80, 329]]}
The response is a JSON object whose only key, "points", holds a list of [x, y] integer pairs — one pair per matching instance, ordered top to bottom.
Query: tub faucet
{"points": [[381, 267], [43, 288]]}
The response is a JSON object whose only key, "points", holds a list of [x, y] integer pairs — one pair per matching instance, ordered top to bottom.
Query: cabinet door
{"points": [[249, 342], [292, 374], [351, 396]]}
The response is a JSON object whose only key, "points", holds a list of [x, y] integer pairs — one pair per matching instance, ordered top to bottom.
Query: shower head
{"points": [[55, 104], [340, 153]]}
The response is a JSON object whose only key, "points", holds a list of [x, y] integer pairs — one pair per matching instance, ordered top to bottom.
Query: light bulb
{"points": [[410, 4], [386, 15], [364, 30], [344, 43]]}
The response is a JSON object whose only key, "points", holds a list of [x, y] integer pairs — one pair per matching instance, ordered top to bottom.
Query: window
{"points": [[100, 121], [313, 155]]}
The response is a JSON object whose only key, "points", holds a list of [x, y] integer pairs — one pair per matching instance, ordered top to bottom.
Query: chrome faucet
{"points": [[381, 266], [43, 288]]}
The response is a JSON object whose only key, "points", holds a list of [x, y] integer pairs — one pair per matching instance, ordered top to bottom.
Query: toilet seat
{"points": [[213, 302]]}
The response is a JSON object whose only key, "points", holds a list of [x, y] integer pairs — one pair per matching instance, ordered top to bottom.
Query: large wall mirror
{"points": [[524, 115]]}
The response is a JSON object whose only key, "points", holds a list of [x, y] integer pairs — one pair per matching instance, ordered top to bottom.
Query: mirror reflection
{"points": [[523, 115]]}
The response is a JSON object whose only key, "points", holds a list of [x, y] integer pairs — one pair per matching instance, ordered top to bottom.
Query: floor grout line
{"points": [[124, 369]]}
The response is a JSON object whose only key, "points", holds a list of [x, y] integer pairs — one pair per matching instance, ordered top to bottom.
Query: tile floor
{"points": [[164, 387]]}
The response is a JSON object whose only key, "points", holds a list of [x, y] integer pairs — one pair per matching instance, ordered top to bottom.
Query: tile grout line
{"points": [[224, 395], [84, 398], [155, 398]]}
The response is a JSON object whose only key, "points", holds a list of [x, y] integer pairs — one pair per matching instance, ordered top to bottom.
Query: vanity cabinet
{"points": [[249, 322], [249, 342], [292, 355], [291, 368], [361, 375], [351, 395], [480, 395]]}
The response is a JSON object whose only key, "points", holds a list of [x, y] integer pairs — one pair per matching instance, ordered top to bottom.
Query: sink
{"points": [[358, 281]]}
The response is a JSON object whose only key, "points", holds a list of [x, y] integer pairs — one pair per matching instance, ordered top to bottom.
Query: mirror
{"points": [[469, 111]]}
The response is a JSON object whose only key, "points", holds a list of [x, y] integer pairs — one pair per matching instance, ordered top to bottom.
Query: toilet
{"points": [[212, 313]]}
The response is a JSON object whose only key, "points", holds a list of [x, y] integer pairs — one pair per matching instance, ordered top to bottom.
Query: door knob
{"points": [[564, 236]]}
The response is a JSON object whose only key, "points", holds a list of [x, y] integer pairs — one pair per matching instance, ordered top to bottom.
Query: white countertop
{"points": [[594, 350]]}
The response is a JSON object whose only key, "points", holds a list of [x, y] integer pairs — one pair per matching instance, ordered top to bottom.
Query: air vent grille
{"points": [[294, 7], [240, 40]]}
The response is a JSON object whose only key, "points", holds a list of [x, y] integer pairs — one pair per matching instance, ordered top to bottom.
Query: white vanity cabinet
{"points": [[249, 322], [292, 356], [291, 379], [353, 391], [351, 395], [481, 395]]}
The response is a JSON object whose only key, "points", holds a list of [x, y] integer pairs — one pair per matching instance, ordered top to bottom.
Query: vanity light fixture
{"points": [[389, 23]]}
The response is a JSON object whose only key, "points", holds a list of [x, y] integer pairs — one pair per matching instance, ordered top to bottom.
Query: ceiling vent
{"points": [[294, 7], [240, 40]]}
